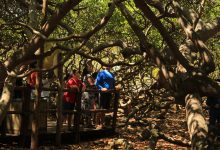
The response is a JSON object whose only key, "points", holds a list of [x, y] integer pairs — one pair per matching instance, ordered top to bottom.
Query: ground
{"points": [[173, 125]]}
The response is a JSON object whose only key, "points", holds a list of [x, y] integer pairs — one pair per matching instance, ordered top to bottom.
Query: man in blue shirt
{"points": [[105, 81]]}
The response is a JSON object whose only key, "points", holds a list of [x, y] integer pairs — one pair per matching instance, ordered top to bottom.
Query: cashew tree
{"points": [[179, 38]]}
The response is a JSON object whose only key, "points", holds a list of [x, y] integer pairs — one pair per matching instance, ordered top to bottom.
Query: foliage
{"points": [[159, 51]]}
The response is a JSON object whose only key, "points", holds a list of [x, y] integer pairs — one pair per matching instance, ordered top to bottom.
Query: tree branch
{"points": [[88, 34], [169, 40], [36, 41], [207, 62]]}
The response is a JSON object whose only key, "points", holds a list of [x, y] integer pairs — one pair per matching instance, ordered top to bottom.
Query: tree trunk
{"points": [[7, 94], [59, 102], [35, 122], [196, 123]]}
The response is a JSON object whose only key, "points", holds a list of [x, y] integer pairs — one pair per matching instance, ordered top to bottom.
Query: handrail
{"points": [[68, 89], [71, 90], [65, 111], [78, 111]]}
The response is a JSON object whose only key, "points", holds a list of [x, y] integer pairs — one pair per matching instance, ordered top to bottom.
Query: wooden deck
{"points": [[20, 115], [48, 136]]}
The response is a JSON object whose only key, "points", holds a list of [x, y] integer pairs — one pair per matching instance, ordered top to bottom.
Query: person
{"points": [[87, 70], [32, 79], [46, 81], [105, 81], [17, 92], [69, 98], [89, 98], [89, 101], [213, 104], [214, 110]]}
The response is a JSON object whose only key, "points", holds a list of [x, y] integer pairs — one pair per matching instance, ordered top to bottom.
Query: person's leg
{"points": [[108, 98], [105, 101], [97, 106], [102, 106], [72, 107], [89, 114], [69, 115], [64, 116], [212, 117], [218, 117], [107, 118], [69, 121], [212, 121], [213, 127]]}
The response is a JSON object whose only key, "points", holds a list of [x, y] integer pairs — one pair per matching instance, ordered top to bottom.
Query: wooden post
{"points": [[59, 103], [36, 107], [25, 114], [77, 116], [114, 120], [3, 127]]}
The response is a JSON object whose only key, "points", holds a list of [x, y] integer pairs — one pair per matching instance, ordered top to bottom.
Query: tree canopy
{"points": [[153, 46]]}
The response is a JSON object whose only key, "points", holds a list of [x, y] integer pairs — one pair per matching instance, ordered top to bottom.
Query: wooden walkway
{"points": [[21, 112], [48, 136]]}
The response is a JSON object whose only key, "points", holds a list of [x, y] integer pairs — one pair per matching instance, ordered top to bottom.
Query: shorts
{"points": [[105, 100], [68, 107]]}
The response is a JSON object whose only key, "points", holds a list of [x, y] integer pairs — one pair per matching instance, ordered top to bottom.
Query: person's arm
{"points": [[91, 81], [98, 81], [114, 81], [83, 86]]}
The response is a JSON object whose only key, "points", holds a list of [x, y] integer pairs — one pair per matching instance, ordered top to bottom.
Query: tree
{"points": [[137, 37], [196, 73]]}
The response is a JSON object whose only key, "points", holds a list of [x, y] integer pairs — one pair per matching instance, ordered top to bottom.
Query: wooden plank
{"points": [[59, 102], [97, 110], [66, 111], [77, 113], [25, 116], [77, 117], [114, 120]]}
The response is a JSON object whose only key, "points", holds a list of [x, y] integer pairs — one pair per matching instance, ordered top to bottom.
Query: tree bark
{"points": [[35, 43], [6, 97], [59, 103], [196, 123]]}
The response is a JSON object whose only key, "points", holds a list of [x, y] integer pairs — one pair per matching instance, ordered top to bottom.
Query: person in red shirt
{"points": [[32, 79], [69, 98]]}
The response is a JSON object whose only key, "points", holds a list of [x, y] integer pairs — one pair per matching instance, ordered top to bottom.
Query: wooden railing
{"points": [[25, 111]]}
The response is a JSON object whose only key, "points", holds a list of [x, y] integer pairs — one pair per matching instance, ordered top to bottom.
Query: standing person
{"points": [[87, 70], [31, 80], [46, 81], [105, 81], [17, 92], [69, 98], [89, 98], [213, 104], [214, 110]]}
